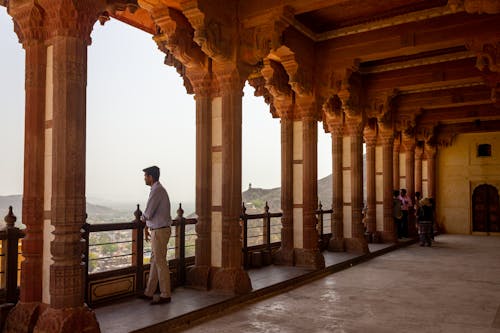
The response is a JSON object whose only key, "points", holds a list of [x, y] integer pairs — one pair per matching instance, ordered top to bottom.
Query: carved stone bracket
{"points": [[215, 28], [263, 32], [176, 33], [488, 54], [259, 84], [351, 95], [382, 105], [426, 132], [370, 134]]}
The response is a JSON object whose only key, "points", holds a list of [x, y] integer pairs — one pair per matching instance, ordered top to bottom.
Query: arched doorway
{"points": [[485, 208]]}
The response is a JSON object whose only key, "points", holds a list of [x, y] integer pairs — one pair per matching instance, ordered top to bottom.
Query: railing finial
{"points": [[320, 206], [243, 208], [266, 208], [180, 211], [137, 214], [10, 218]]}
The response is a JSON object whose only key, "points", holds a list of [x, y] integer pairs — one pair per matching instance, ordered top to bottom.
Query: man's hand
{"points": [[146, 234]]}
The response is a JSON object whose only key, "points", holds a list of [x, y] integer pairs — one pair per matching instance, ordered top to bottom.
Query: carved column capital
{"points": [[71, 18], [28, 21], [230, 78], [201, 82], [306, 107], [354, 126], [370, 134], [387, 137], [409, 142], [430, 150], [419, 152]]}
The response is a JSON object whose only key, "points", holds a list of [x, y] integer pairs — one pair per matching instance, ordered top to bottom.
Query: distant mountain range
{"points": [[255, 198], [95, 212]]}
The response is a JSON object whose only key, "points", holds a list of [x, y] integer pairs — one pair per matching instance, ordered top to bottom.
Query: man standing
{"points": [[406, 204], [397, 213], [158, 222]]}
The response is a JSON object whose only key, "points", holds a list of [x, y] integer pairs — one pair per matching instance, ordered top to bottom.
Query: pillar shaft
{"points": [[410, 166], [395, 167], [418, 169], [431, 170], [310, 182], [33, 192], [370, 220], [389, 232], [337, 240], [357, 242], [229, 275]]}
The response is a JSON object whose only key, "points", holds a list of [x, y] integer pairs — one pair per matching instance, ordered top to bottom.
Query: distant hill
{"points": [[255, 198], [96, 213]]}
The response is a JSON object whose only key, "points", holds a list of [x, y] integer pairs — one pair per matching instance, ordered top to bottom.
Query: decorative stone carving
{"points": [[482, 6], [72, 18], [28, 21], [214, 26], [263, 33], [488, 54], [276, 79], [259, 83], [350, 94]]}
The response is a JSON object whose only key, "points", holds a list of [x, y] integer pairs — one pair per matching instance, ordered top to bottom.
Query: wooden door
{"points": [[485, 209]]}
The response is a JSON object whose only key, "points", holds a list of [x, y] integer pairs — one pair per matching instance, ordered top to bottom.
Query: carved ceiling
{"points": [[431, 64]]}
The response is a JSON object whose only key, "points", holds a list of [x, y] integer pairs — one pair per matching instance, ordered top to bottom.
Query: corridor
{"points": [[452, 287]]}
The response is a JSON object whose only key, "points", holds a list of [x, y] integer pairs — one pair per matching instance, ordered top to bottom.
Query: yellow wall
{"points": [[459, 171]]}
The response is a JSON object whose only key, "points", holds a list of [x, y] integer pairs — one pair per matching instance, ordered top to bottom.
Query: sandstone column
{"points": [[68, 25], [30, 33], [202, 84], [370, 140], [409, 145], [431, 151], [395, 169], [418, 169], [389, 231], [337, 240], [356, 242], [306, 252], [284, 256], [229, 274]]}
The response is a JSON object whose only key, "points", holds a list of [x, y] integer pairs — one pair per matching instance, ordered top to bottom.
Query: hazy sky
{"points": [[138, 114]]}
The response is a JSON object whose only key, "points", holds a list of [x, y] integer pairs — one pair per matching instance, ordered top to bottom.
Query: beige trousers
{"points": [[159, 272]]}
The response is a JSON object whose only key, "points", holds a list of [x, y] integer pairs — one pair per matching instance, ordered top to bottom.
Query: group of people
{"points": [[424, 215]]}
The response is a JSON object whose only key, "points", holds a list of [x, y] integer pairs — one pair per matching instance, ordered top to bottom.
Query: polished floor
{"points": [[453, 286]]}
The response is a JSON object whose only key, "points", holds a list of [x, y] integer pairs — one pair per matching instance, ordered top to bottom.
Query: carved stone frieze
{"points": [[488, 54]]}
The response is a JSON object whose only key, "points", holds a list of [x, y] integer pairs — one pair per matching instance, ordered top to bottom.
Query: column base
{"points": [[389, 237], [336, 245], [356, 245], [283, 257], [309, 258], [198, 277], [233, 280], [23, 317], [76, 320]]}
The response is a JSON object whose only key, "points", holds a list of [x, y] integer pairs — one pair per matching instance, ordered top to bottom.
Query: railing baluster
{"points": [[267, 219], [181, 227], [138, 232], [245, 234], [86, 238], [12, 254]]}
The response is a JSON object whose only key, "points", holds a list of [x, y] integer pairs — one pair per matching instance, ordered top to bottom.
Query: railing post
{"points": [[320, 220], [267, 221], [245, 234], [86, 235], [182, 245], [139, 249], [12, 254]]}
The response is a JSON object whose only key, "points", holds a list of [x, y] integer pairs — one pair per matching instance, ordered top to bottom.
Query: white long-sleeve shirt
{"points": [[157, 212]]}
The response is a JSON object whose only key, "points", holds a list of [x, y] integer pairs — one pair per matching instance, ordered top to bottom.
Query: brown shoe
{"points": [[144, 296], [161, 300]]}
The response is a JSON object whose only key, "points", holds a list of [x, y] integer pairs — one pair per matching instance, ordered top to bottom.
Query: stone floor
{"points": [[453, 287], [135, 315]]}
